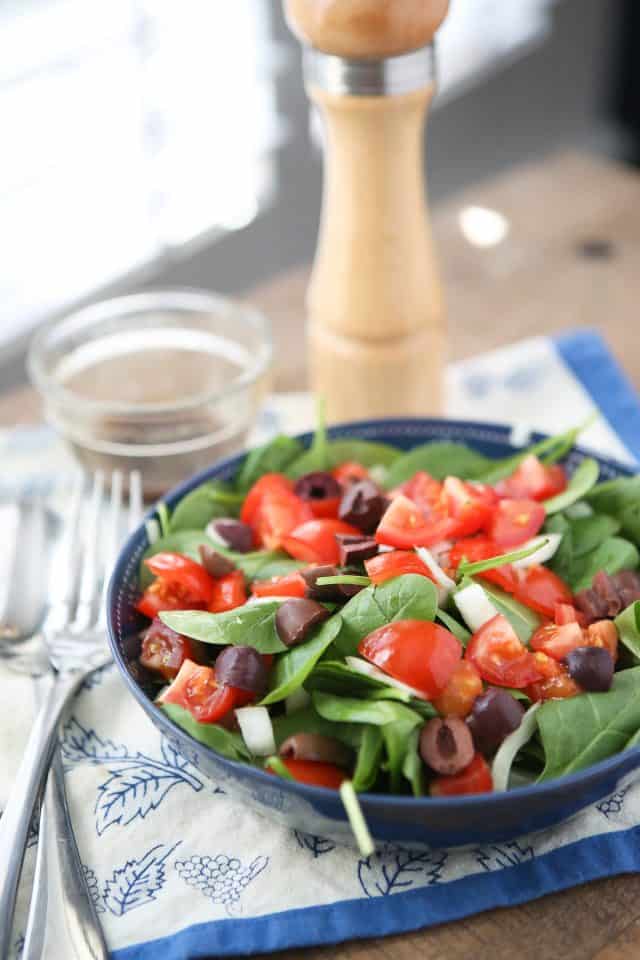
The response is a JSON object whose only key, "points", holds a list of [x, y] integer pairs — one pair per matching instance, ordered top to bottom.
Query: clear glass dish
{"points": [[165, 382]]}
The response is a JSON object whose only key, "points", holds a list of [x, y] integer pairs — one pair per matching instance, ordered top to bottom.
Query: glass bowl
{"points": [[165, 382]]}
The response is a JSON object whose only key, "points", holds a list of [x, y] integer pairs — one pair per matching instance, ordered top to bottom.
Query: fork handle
{"points": [[26, 791]]}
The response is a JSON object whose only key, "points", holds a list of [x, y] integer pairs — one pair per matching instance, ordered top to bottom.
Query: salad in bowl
{"points": [[431, 623]]}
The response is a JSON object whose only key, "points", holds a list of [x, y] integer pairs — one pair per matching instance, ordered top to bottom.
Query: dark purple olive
{"points": [[317, 486], [362, 506], [231, 533], [355, 550], [214, 563], [328, 594], [296, 618], [242, 667], [591, 668], [495, 714], [446, 745], [316, 747]]}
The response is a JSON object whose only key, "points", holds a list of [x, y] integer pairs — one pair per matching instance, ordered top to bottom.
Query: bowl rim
{"points": [[179, 299], [501, 432]]}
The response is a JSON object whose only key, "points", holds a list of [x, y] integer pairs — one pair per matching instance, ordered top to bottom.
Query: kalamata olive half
{"points": [[317, 486], [362, 505], [231, 533], [355, 550], [214, 563], [328, 594], [296, 618], [242, 667], [591, 668], [494, 715], [446, 745], [316, 747]]}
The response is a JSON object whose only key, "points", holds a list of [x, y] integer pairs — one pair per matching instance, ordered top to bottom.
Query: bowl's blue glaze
{"points": [[439, 822]]}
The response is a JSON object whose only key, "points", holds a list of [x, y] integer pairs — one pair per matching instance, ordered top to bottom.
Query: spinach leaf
{"points": [[340, 451], [273, 457], [440, 459], [581, 481], [614, 496], [206, 502], [630, 521], [587, 533], [182, 541], [580, 553], [611, 556], [562, 559], [262, 565], [410, 597], [523, 620], [628, 624], [252, 625], [454, 627], [293, 667], [333, 676], [352, 710], [308, 720], [580, 731], [396, 741], [225, 742], [368, 762], [412, 766]]}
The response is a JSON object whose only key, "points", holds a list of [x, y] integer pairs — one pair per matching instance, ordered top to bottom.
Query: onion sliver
{"points": [[475, 606], [257, 730]]}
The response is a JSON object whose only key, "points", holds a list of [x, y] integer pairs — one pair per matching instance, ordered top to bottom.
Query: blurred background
{"points": [[163, 143]]}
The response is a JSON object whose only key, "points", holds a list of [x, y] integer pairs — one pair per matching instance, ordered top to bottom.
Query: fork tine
{"points": [[136, 507], [112, 540], [63, 569], [90, 574]]}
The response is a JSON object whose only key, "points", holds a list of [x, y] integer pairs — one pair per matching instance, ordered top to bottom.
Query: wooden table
{"points": [[572, 257]]}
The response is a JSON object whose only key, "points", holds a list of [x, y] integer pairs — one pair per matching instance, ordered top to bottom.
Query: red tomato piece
{"points": [[350, 472], [533, 481], [271, 484], [422, 489], [469, 505], [325, 508], [272, 510], [515, 521], [405, 525], [315, 541], [482, 548], [395, 563], [183, 572], [290, 585], [541, 589], [228, 593], [162, 596], [567, 613], [603, 633], [557, 641], [164, 651], [416, 652], [499, 657], [555, 682], [196, 690], [457, 698], [315, 773], [476, 778]]}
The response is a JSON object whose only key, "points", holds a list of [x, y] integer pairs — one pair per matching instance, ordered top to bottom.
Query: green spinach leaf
{"points": [[340, 451], [273, 457], [440, 459], [581, 481], [614, 496], [208, 501], [182, 541], [611, 556], [628, 624], [252, 625], [454, 627], [293, 667], [333, 676], [352, 710], [308, 720], [580, 731], [396, 741], [225, 742], [368, 761], [412, 765]]}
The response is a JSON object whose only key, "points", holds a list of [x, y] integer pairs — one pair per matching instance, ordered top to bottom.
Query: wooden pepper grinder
{"points": [[376, 314]]}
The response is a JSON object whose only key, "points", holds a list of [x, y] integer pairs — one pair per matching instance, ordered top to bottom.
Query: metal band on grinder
{"points": [[390, 76]]}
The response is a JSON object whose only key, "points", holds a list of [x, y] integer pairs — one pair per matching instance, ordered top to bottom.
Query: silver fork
{"points": [[74, 635]]}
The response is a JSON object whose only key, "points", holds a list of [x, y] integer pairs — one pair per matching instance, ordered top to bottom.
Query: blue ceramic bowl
{"points": [[435, 821]]}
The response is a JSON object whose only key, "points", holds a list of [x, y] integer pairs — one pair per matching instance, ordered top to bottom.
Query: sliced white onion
{"points": [[378, 474], [549, 543], [383, 548], [445, 583], [253, 599], [475, 606], [369, 670], [297, 700], [257, 730], [503, 760]]}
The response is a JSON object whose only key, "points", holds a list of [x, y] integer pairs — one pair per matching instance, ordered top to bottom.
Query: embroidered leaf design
{"points": [[85, 746], [172, 755], [135, 789], [316, 846], [499, 856], [392, 869], [221, 878], [137, 882]]}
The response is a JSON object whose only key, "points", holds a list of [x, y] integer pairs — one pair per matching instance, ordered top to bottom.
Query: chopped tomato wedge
{"points": [[350, 472], [533, 480], [422, 489], [470, 506], [325, 508], [273, 510], [515, 521], [405, 525], [315, 541], [482, 548], [395, 563], [183, 572], [290, 585], [541, 589], [228, 592], [162, 596], [567, 613], [603, 633], [557, 641], [164, 651], [419, 653], [499, 657], [555, 682], [196, 690], [458, 697], [315, 773], [476, 778]]}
